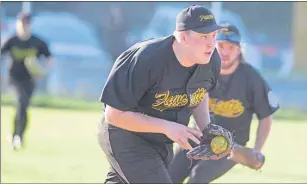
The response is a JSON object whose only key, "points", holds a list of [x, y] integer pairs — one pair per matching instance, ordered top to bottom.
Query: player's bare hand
{"points": [[181, 134]]}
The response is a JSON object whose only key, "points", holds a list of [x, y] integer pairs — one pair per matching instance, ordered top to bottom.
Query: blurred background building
{"points": [[86, 37]]}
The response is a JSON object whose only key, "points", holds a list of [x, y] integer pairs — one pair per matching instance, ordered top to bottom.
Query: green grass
{"points": [[52, 102], [62, 146]]}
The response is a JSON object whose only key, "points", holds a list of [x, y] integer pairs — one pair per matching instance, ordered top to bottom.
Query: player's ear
{"points": [[180, 36], [184, 36]]}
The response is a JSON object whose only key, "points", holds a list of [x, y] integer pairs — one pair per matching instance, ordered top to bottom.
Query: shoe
{"points": [[16, 142]]}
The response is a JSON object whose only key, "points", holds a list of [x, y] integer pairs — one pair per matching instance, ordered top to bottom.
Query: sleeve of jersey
{"points": [[44, 50], [130, 78], [265, 102]]}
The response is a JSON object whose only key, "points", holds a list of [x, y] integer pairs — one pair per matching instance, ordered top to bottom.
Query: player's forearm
{"points": [[201, 113], [136, 122], [263, 131]]}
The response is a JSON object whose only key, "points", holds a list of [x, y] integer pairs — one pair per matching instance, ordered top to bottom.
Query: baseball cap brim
{"points": [[207, 29]]}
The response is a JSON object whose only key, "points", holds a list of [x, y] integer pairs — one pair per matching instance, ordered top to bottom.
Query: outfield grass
{"points": [[65, 103], [62, 146]]}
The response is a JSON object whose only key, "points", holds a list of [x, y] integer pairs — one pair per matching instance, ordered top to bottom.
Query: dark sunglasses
{"points": [[228, 36]]}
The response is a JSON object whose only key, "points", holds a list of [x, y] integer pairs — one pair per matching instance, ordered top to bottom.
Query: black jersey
{"points": [[20, 49], [148, 78], [239, 96]]}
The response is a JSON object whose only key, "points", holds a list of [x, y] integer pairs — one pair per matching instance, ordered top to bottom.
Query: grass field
{"points": [[62, 146]]}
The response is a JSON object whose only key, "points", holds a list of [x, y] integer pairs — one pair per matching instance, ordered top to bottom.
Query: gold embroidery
{"points": [[205, 17], [20, 54], [197, 96], [166, 101], [230, 108]]}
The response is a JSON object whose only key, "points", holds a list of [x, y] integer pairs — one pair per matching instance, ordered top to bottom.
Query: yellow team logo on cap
{"points": [[205, 17], [226, 31]]}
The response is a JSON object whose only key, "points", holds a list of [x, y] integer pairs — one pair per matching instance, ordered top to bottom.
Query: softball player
{"points": [[21, 47], [153, 89], [241, 93]]}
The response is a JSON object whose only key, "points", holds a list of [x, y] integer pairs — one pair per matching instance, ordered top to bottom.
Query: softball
{"points": [[218, 144]]}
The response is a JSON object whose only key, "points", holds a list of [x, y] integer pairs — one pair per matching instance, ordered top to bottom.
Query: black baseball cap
{"points": [[24, 17], [196, 18], [230, 33]]}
